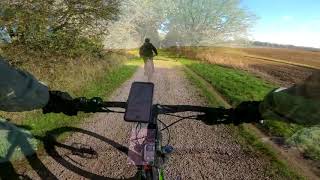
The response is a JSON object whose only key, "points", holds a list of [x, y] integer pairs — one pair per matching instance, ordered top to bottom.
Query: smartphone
{"points": [[139, 104]]}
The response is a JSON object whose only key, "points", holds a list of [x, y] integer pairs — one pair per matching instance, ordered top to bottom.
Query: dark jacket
{"points": [[147, 50], [19, 90]]}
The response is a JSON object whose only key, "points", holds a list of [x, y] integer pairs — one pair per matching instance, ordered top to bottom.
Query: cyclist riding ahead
{"points": [[147, 51], [20, 91]]}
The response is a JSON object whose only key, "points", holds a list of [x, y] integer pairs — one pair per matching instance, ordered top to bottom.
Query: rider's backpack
{"points": [[146, 50]]}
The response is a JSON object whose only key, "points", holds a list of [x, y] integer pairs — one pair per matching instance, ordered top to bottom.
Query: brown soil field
{"points": [[311, 58], [282, 72], [278, 73]]}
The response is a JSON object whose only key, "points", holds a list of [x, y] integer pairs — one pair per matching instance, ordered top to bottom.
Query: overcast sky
{"points": [[295, 22]]}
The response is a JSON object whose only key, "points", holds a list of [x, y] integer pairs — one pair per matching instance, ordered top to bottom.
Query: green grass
{"points": [[235, 85], [238, 86], [211, 100], [280, 128], [247, 139], [308, 139], [279, 169]]}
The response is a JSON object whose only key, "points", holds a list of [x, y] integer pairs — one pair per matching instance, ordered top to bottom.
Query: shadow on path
{"points": [[18, 138], [21, 141]]}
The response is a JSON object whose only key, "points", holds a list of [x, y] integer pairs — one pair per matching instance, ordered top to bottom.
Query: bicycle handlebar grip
{"points": [[59, 102], [245, 112], [217, 116]]}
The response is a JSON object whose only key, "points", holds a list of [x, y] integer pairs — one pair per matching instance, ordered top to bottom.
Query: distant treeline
{"points": [[274, 45]]}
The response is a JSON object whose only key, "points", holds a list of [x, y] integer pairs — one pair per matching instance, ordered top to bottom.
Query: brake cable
{"points": [[112, 111], [174, 115], [182, 118], [167, 126], [169, 134]]}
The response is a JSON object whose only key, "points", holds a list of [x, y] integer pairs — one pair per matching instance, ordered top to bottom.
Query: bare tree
{"points": [[139, 19], [186, 22], [206, 22]]}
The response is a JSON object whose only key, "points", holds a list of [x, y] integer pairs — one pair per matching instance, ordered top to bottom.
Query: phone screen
{"points": [[139, 104]]}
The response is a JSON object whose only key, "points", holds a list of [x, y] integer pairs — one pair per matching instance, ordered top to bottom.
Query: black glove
{"points": [[60, 102], [247, 111], [216, 116]]}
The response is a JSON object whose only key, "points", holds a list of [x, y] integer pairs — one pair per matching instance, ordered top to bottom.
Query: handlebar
{"points": [[246, 112]]}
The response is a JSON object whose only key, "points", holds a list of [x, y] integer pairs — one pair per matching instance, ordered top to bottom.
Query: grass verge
{"points": [[103, 85], [235, 85], [238, 86], [278, 168]]}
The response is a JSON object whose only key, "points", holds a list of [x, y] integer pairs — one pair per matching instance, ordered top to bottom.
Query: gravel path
{"points": [[201, 151]]}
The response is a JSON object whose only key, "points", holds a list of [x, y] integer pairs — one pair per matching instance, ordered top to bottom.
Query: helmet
{"points": [[147, 40]]}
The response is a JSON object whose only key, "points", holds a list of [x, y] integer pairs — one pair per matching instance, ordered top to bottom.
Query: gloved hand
{"points": [[60, 102], [247, 111], [216, 116]]}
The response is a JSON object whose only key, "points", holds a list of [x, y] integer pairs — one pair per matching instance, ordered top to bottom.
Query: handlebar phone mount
{"points": [[139, 104], [142, 146]]}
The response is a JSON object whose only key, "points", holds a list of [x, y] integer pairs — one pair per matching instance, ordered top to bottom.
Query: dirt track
{"points": [[201, 151]]}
